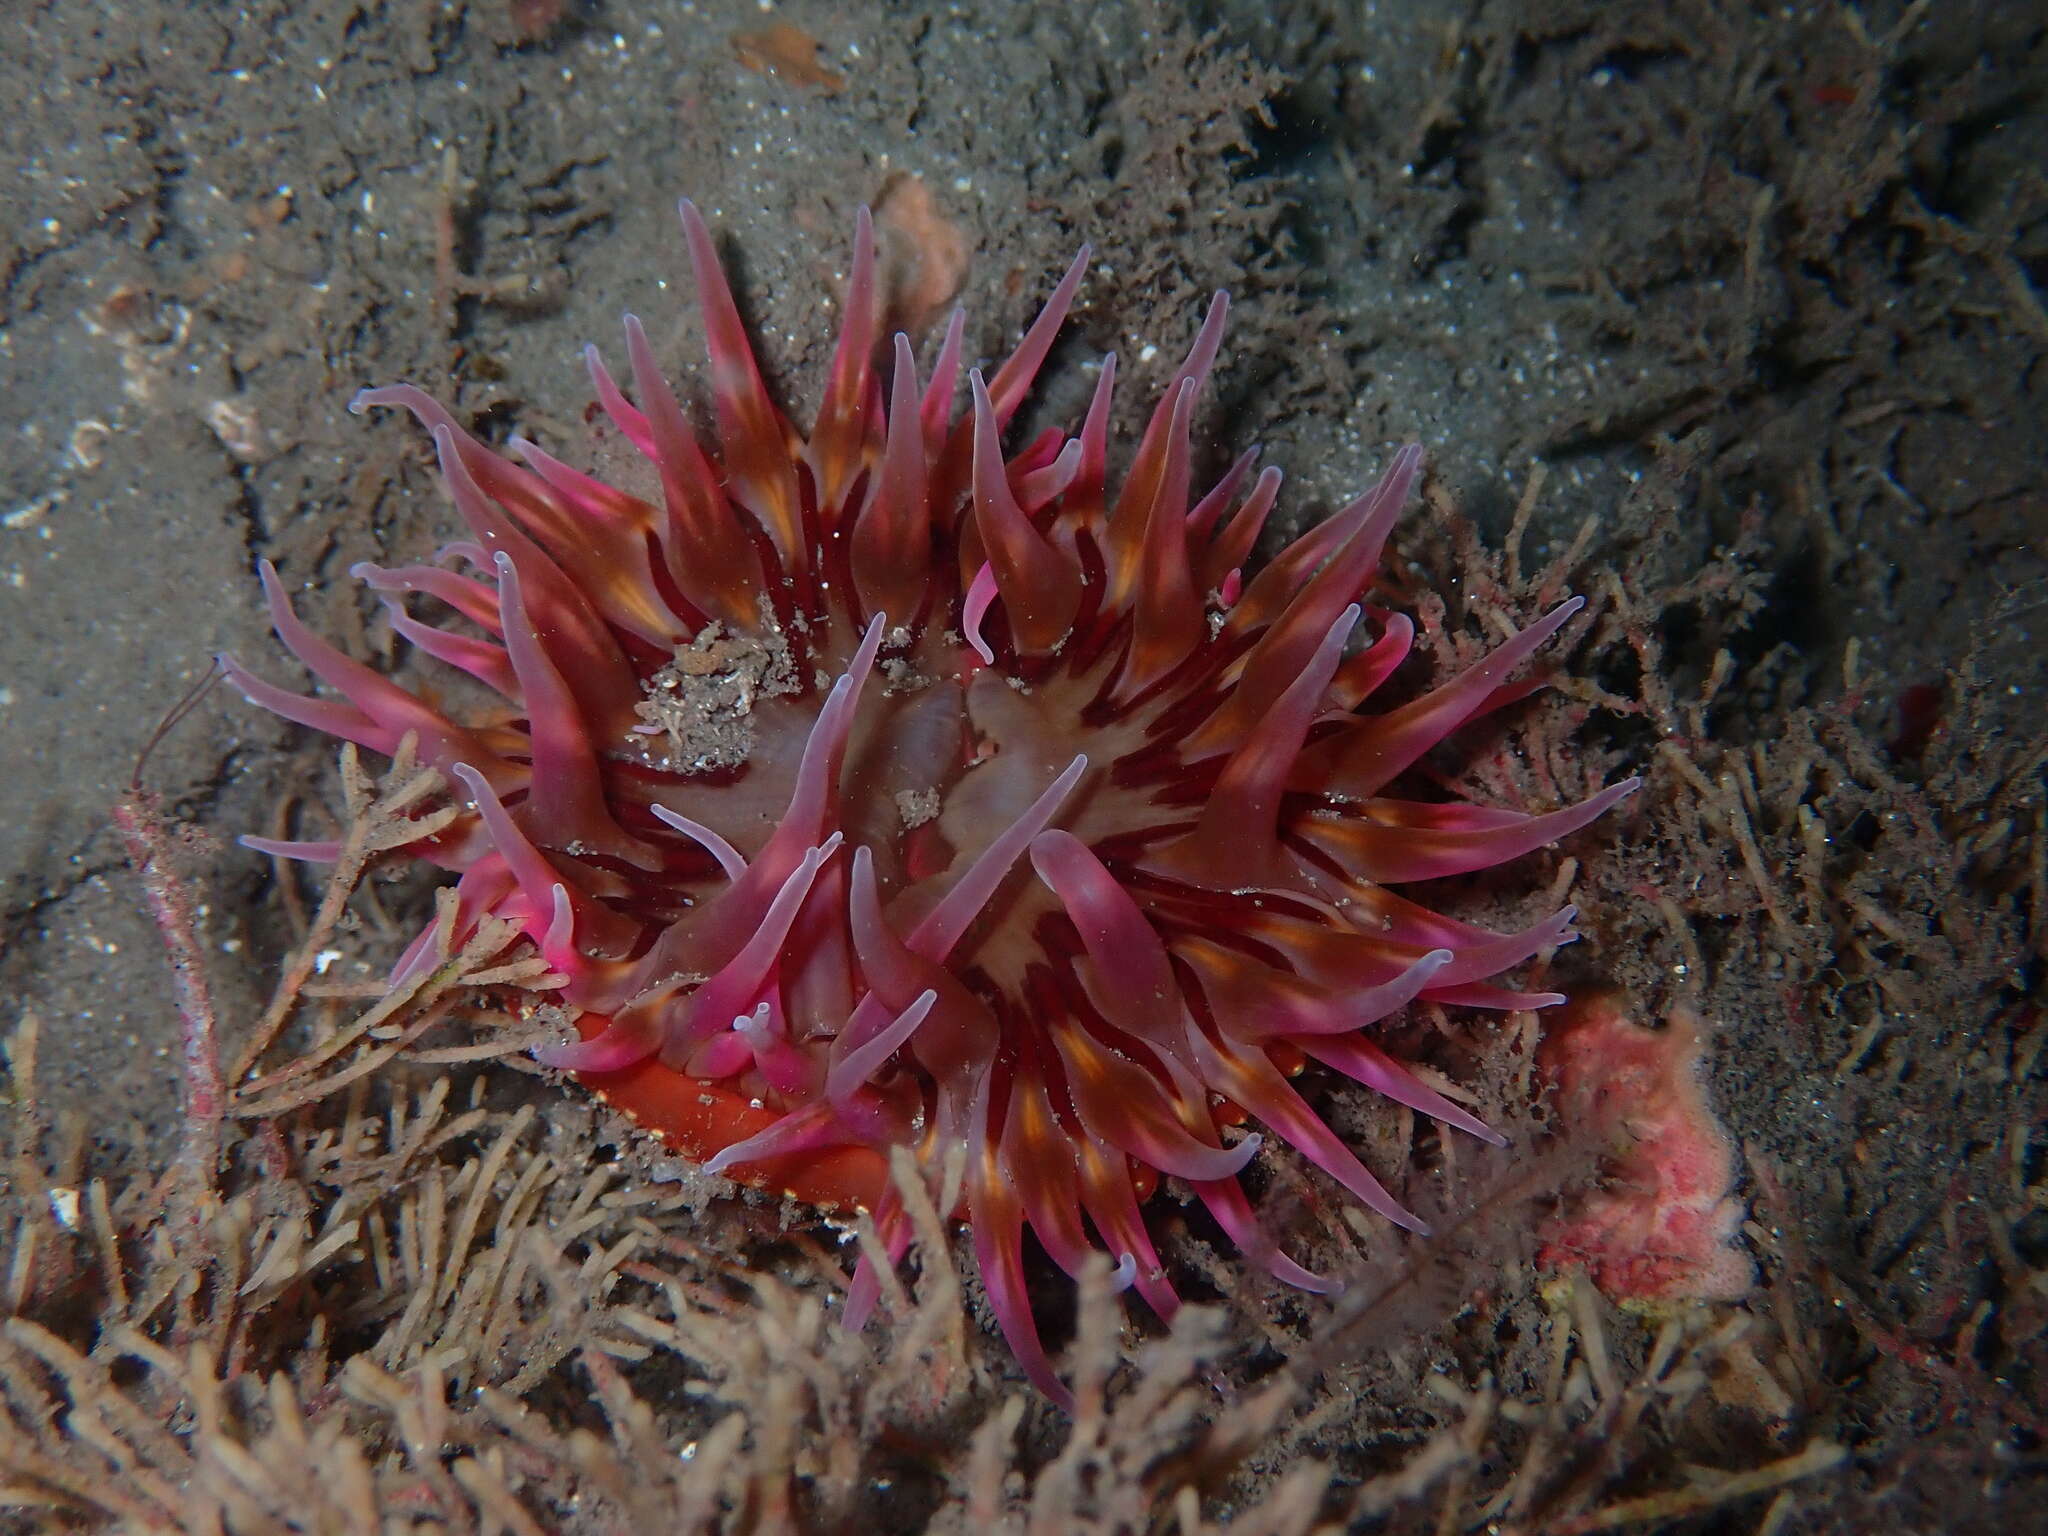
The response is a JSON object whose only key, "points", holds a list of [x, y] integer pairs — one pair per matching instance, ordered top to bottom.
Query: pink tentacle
{"points": [[981, 595], [728, 857], [949, 918], [733, 990], [1233, 1212]]}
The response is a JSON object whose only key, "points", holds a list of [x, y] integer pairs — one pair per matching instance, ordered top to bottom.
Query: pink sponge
{"points": [[1660, 1225]]}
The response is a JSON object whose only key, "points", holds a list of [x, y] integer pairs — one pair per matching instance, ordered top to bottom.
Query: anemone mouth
{"points": [[877, 788]]}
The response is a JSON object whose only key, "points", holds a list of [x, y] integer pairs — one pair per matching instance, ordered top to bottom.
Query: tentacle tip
{"points": [[693, 220], [360, 402], [561, 933], [600, 1053], [561, 1057], [1290, 1273]]}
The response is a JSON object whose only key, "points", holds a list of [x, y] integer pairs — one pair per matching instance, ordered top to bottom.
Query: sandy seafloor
{"points": [[1756, 285]]}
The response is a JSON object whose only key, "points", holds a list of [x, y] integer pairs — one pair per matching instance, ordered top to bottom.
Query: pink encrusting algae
{"points": [[1052, 833], [1662, 1225]]}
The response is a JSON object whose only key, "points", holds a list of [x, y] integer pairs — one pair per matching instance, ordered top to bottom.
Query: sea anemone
{"points": [[875, 789]]}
